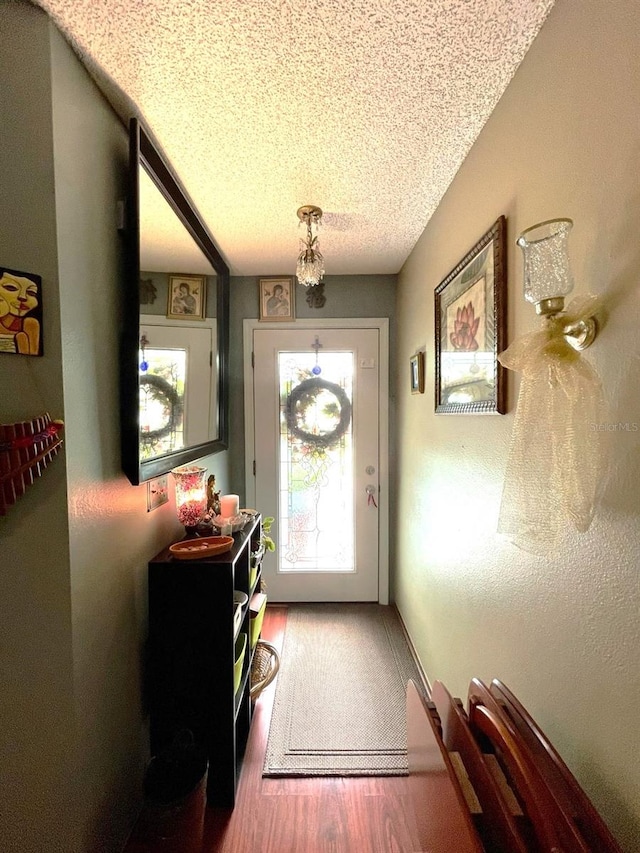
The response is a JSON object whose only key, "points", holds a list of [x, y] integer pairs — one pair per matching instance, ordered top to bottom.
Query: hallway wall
{"points": [[73, 609], [562, 631]]}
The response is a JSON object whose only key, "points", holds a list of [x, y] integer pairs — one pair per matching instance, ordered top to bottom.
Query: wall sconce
{"points": [[310, 266], [548, 278], [191, 496]]}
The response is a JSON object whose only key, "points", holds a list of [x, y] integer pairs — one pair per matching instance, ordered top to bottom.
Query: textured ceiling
{"points": [[366, 108]]}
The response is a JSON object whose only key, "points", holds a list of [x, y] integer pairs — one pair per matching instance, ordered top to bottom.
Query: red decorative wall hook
{"points": [[26, 449]]}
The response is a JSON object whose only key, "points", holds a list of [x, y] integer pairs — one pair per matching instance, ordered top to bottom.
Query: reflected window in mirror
{"points": [[178, 399]]}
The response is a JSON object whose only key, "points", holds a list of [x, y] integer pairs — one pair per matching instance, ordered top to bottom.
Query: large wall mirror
{"points": [[174, 391]]}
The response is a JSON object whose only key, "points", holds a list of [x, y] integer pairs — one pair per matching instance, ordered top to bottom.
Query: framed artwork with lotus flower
{"points": [[470, 329]]}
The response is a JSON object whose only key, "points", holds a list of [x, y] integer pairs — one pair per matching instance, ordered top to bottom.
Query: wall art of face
{"points": [[20, 312]]}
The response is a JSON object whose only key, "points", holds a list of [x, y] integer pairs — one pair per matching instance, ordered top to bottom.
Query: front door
{"points": [[316, 442]]}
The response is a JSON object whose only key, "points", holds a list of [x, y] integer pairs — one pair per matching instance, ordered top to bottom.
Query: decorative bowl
{"points": [[235, 522], [196, 549]]}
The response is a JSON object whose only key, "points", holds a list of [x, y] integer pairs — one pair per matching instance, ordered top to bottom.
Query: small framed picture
{"points": [[187, 297], [276, 299], [20, 312], [470, 329], [417, 373]]}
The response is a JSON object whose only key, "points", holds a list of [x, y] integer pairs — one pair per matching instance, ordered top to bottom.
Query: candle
{"points": [[229, 506]]}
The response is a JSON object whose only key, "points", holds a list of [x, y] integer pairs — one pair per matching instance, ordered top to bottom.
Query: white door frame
{"points": [[380, 323]]}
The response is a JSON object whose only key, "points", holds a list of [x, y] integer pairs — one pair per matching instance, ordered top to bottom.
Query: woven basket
{"points": [[264, 667]]}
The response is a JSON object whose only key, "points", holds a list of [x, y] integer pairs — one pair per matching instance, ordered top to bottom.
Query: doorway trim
{"points": [[382, 325]]}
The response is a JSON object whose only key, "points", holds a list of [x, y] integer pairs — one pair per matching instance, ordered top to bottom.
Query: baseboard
{"points": [[426, 684]]}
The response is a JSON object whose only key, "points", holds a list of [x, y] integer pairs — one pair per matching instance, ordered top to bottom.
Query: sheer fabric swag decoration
{"points": [[556, 463]]}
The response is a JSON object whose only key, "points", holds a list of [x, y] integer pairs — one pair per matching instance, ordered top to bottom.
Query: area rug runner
{"points": [[339, 706]]}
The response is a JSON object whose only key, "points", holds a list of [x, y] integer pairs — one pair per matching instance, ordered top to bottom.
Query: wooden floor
{"points": [[313, 815]]}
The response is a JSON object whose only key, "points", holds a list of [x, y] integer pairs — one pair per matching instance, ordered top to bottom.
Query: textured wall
{"points": [[110, 535], [75, 547], [561, 631], [36, 688]]}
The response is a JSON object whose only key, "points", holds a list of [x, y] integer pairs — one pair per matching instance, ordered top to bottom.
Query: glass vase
{"points": [[191, 495]]}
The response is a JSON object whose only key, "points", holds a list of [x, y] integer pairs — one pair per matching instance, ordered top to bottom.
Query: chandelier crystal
{"points": [[310, 266]]}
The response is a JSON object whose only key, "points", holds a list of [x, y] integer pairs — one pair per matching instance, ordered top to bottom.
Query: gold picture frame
{"points": [[187, 296], [277, 299], [470, 329], [417, 373]]}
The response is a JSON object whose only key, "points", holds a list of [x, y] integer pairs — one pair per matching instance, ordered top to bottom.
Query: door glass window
{"points": [[162, 384], [316, 462]]}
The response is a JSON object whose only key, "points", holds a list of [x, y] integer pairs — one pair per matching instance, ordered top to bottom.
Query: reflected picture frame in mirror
{"points": [[147, 161]]}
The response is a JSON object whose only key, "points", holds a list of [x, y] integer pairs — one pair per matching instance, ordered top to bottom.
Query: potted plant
{"points": [[265, 539]]}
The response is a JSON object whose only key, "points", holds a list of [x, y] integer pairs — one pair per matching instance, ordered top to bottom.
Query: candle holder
{"points": [[548, 279], [191, 496]]}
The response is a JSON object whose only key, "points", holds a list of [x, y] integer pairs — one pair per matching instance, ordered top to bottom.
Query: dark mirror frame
{"points": [[144, 154]]}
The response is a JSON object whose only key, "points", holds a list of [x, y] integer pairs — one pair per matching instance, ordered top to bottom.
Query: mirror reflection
{"points": [[174, 335], [178, 340]]}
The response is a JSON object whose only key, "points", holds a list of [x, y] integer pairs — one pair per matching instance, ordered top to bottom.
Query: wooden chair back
{"points": [[556, 774], [497, 821], [554, 829]]}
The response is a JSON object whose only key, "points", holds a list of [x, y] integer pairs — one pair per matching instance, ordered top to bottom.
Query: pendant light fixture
{"points": [[310, 267]]}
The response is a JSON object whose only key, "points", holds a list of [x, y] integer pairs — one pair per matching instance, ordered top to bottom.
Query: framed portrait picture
{"points": [[187, 297], [277, 299], [20, 312], [470, 329], [417, 373]]}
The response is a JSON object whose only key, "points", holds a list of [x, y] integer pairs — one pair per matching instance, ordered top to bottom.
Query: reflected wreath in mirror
{"points": [[159, 398]]}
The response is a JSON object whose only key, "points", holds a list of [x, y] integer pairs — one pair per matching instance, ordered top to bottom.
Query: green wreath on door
{"points": [[303, 396]]}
